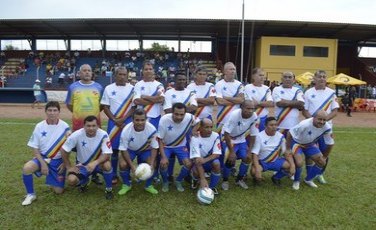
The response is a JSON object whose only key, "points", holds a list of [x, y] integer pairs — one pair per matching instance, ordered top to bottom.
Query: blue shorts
{"points": [[154, 121], [262, 123], [115, 141], [239, 149], [308, 150], [181, 152], [141, 156], [209, 165], [272, 166], [86, 174], [53, 178]]}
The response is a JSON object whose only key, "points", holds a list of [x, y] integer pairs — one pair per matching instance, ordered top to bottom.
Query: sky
{"points": [[341, 11]]}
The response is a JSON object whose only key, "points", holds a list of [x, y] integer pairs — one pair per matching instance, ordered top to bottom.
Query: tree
{"points": [[10, 47], [156, 47]]}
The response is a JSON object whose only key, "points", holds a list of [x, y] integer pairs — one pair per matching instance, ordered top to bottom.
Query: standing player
{"points": [[149, 94], [180, 94], [205, 94], [229, 94], [260, 94], [83, 98], [319, 98], [117, 105], [240, 121], [172, 132], [303, 137], [138, 139], [46, 140], [205, 150], [266, 154], [93, 155]]}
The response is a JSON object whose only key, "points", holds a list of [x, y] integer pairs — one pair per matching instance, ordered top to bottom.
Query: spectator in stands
{"points": [[76, 54], [2, 55], [61, 79], [3, 81], [48, 81], [374, 92], [37, 94]]}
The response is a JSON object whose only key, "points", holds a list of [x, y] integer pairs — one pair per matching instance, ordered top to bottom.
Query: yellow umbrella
{"points": [[304, 78], [343, 79]]}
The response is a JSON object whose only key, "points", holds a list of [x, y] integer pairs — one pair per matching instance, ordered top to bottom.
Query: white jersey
{"points": [[152, 88], [227, 89], [203, 91], [259, 94], [172, 96], [119, 98], [316, 100], [287, 117], [238, 127], [306, 133], [174, 134], [48, 139], [132, 140], [205, 146], [88, 148], [268, 148]]}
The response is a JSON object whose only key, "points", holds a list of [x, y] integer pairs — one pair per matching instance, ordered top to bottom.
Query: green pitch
{"points": [[348, 201]]}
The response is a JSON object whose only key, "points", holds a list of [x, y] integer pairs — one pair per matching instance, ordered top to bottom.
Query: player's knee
{"points": [[321, 162], [187, 164], [123, 165], [286, 165], [106, 166], [29, 168], [216, 168], [72, 180], [58, 190]]}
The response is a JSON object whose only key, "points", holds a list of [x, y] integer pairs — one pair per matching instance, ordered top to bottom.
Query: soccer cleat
{"points": [[95, 178], [321, 179], [276, 181], [310, 183], [194, 184], [242, 184], [225, 185], [296, 185], [179, 186], [165, 187], [83, 188], [124, 189], [151, 190], [215, 191], [109, 194], [29, 199]]}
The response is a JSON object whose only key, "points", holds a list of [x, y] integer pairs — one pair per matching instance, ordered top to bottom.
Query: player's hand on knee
{"points": [[232, 158], [164, 162], [44, 169], [73, 169], [204, 183]]}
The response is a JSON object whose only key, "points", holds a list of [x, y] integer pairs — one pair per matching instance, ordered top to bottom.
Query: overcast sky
{"points": [[345, 11]]}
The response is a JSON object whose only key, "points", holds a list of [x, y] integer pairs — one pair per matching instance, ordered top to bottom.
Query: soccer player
{"points": [[149, 94], [180, 94], [205, 94], [230, 94], [260, 94], [83, 98], [319, 98], [288, 101], [117, 105], [172, 131], [234, 131], [303, 137], [138, 139], [46, 140], [205, 150], [266, 154], [93, 155]]}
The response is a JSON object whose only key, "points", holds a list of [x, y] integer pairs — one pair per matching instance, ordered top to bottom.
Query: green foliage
{"points": [[10, 47], [156, 47], [347, 202]]}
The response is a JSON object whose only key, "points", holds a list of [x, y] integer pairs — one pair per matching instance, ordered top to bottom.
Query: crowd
{"points": [[157, 126]]}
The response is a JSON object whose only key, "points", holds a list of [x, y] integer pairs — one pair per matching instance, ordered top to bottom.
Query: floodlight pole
{"points": [[242, 47]]}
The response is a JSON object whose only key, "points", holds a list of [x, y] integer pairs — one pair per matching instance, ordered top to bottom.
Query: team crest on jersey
{"points": [[108, 143], [219, 146]]}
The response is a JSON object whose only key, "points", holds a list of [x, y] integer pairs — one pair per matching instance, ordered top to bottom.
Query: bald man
{"points": [[302, 139], [205, 150]]}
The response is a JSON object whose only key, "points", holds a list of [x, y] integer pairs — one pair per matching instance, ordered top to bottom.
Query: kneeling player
{"points": [[139, 138], [46, 140], [205, 150], [266, 154], [93, 155]]}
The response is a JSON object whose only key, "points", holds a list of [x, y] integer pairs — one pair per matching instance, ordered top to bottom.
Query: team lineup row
{"points": [[243, 125]]}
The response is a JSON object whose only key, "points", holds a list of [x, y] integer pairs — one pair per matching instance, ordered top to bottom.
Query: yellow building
{"points": [[299, 55]]}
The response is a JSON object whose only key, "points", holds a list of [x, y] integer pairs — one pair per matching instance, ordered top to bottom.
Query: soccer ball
{"points": [[143, 171], [205, 196]]}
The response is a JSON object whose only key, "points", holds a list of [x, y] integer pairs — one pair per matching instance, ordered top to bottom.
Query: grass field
{"points": [[347, 202]]}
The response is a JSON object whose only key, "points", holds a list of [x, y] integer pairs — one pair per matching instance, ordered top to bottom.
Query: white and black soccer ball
{"points": [[143, 171], [205, 196]]}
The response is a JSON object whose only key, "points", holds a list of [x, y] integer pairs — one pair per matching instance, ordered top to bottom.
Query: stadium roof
{"points": [[179, 28]]}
